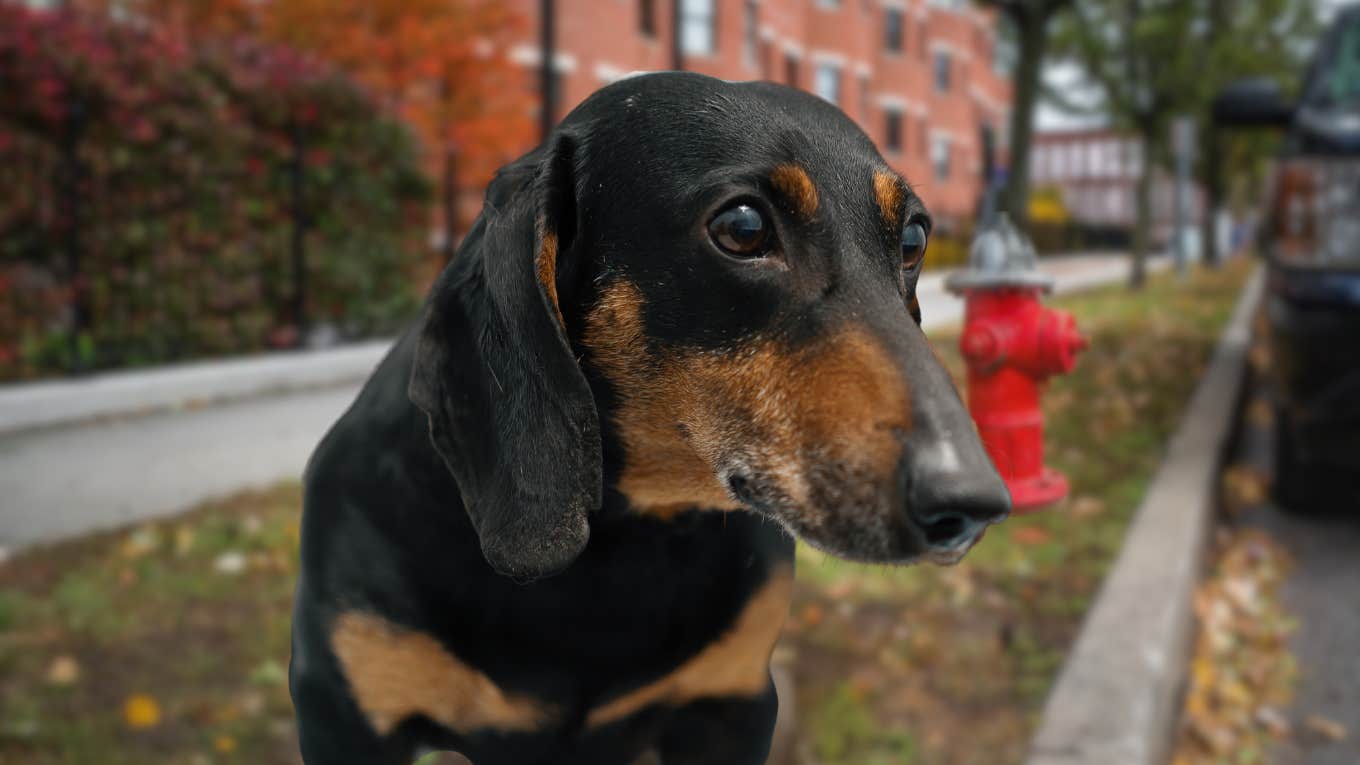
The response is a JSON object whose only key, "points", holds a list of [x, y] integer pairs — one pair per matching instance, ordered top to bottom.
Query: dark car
{"points": [[1311, 240]]}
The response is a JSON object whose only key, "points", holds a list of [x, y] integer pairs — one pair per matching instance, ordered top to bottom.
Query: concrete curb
{"points": [[59, 402], [1117, 699]]}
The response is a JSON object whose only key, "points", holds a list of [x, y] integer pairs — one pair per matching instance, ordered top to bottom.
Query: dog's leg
{"points": [[331, 729], [733, 731], [330, 733]]}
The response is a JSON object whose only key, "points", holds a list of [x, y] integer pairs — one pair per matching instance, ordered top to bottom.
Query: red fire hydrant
{"points": [[1013, 345]]}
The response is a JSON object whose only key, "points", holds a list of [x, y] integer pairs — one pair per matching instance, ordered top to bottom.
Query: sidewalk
{"points": [[89, 454]]}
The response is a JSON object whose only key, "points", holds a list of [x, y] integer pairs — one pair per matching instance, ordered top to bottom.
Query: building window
{"points": [[829, 4], [647, 17], [698, 27], [893, 28], [750, 43], [941, 69], [791, 70], [827, 82], [892, 129], [939, 156]]}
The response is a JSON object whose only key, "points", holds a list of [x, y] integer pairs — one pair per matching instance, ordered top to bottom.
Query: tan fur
{"points": [[796, 186], [888, 192], [547, 268], [782, 412], [736, 664], [395, 673]]}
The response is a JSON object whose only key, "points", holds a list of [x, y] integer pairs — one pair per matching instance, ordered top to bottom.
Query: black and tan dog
{"points": [[555, 525]]}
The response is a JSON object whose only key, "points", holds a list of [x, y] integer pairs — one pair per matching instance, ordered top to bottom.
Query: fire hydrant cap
{"points": [[999, 257]]}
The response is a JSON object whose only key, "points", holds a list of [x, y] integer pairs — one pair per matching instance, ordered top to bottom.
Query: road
{"points": [[63, 480], [1323, 593]]}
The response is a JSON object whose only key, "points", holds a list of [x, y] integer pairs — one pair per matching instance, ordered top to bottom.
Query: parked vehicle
{"points": [[1311, 241]]}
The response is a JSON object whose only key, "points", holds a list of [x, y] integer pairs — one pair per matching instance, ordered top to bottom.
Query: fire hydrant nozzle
{"points": [[1012, 345]]}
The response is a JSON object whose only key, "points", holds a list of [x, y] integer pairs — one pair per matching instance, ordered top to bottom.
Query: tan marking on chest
{"points": [[736, 664], [395, 673]]}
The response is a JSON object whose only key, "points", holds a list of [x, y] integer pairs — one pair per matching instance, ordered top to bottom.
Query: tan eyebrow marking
{"points": [[794, 183], [888, 192]]}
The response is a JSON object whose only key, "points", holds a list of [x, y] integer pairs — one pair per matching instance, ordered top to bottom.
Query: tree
{"points": [[1030, 20], [1243, 38], [1142, 55], [439, 65]]}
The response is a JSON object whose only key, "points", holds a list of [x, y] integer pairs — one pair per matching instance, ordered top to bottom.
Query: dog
{"points": [[556, 525]]}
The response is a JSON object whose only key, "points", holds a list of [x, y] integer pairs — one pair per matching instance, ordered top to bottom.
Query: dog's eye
{"points": [[740, 230], [913, 245]]}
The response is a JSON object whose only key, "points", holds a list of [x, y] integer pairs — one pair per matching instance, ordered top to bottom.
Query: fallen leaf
{"points": [[1260, 413], [1244, 486], [1086, 507], [1031, 535], [184, 540], [140, 542], [231, 563], [812, 615], [63, 671], [269, 672], [141, 711], [1274, 721], [1325, 727], [1219, 739], [224, 744]]}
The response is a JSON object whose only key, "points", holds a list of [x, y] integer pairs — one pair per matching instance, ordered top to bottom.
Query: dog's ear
{"points": [[509, 409]]}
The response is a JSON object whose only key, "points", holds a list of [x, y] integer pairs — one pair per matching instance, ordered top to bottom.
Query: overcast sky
{"points": [[1067, 78]]}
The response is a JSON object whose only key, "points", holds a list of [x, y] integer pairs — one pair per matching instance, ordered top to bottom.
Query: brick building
{"points": [[920, 76], [1096, 173]]}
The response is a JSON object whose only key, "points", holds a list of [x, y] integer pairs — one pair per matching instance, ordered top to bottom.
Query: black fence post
{"points": [[70, 174], [297, 179], [450, 200]]}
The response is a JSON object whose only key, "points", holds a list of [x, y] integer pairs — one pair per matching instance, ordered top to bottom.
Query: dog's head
{"points": [[720, 277]]}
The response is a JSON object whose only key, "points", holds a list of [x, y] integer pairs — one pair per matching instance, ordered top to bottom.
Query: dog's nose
{"points": [[950, 503]]}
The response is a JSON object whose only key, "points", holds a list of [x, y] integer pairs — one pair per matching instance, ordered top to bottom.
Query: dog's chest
{"points": [[395, 673]]}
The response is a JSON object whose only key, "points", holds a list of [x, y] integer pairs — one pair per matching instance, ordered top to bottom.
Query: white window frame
{"points": [[698, 27], [937, 55], [822, 67], [941, 156]]}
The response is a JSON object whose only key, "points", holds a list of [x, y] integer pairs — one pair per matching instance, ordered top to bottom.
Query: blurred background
{"points": [[216, 214]]}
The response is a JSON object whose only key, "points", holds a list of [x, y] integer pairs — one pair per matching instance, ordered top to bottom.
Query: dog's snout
{"points": [[950, 502]]}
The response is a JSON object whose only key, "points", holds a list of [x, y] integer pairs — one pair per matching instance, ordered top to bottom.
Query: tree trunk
{"points": [[1032, 29], [1213, 196], [1142, 224]]}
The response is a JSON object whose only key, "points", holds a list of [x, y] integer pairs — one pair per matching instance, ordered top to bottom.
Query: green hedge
{"points": [[170, 171]]}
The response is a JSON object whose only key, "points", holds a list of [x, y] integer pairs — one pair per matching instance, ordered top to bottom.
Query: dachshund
{"points": [[557, 524]]}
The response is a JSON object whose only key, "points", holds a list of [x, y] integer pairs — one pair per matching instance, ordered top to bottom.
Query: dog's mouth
{"points": [[861, 527]]}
